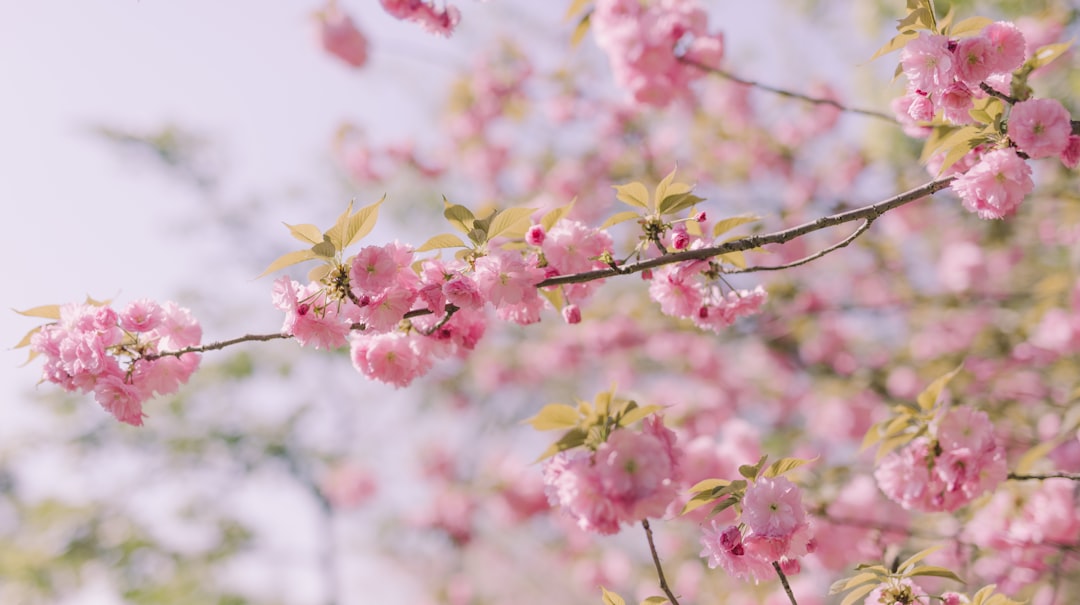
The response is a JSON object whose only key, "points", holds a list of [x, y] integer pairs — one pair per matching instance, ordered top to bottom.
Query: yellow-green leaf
{"points": [[575, 7], [969, 27], [580, 30], [896, 43], [1046, 54], [664, 184], [634, 194], [675, 202], [459, 216], [553, 216], [620, 217], [511, 222], [361, 223], [727, 224], [309, 234], [334, 234], [446, 240], [325, 248], [736, 258], [289, 259], [318, 273], [45, 311], [26, 339], [929, 397], [637, 414], [555, 416], [573, 438], [889, 445], [1030, 457], [784, 465], [709, 484], [915, 558], [934, 571], [849, 583], [858, 593], [611, 598], [655, 601]]}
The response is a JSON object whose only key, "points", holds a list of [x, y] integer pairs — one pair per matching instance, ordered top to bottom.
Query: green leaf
{"points": [[577, 6], [969, 27], [580, 30], [896, 43], [1046, 54], [667, 187], [634, 194], [676, 202], [459, 216], [553, 216], [620, 217], [511, 222], [361, 223], [728, 224], [309, 234], [334, 234], [477, 236], [446, 240], [325, 248], [736, 258], [287, 260], [45, 311], [929, 397], [636, 414], [555, 416], [573, 438], [889, 445], [784, 465], [751, 472], [709, 484], [726, 504], [915, 558], [934, 571], [849, 583], [858, 593], [611, 598], [655, 601]]}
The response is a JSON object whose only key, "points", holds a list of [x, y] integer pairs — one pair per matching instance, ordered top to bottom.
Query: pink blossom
{"points": [[434, 20], [340, 37], [1006, 46], [974, 60], [928, 63], [955, 101], [1040, 127], [1070, 156], [996, 185], [535, 235], [573, 247], [376, 268], [509, 283], [679, 295], [385, 310], [571, 314], [141, 316], [309, 318], [178, 329], [394, 358], [121, 399], [773, 507], [724, 548], [896, 592]]}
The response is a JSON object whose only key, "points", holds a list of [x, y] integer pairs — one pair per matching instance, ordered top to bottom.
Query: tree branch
{"points": [[788, 93], [802, 261], [1040, 477], [656, 562], [783, 580]]}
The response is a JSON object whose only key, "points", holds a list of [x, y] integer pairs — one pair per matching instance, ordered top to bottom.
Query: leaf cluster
{"points": [[509, 223], [51, 312], [908, 421], [588, 424], [727, 493], [869, 577]]}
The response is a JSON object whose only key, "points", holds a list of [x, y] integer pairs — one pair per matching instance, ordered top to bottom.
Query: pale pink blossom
{"points": [[434, 20], [340, 37], [1007, 46], [975, 60], [928, 63], [955, 101], [1040, 127], [1070, 156], [996, 185], [376, 268], [509, 282], [679, 295], [141, 316], [309, 317], [394, 358], [121, 399], [773, 507], [724, 548]]}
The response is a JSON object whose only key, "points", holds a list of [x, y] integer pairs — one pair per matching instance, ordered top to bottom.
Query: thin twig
{"points": [[990, 90], [789, 93], [872, 212], [867, 213], [802, 261], [1040, 477], [656, 561], [783, 580]]}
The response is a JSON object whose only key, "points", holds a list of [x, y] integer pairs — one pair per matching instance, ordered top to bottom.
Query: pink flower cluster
{"points": [[434, 20], [340, 37], [640, 39], [945, 74], [996, 185], [683, 291], [95, 349], [962, 460], [631, 476], [773, 527]]}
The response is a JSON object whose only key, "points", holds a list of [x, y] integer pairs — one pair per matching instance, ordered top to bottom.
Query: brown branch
{"points": [[983, 86], [789, 93], [871, 212], [867, 213], [802, 261], [1040, 477], [656, 562], [783, 580]]}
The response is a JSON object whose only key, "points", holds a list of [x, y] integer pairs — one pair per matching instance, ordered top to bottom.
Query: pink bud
{"points": [[340, 37], [700, 217], [535, 235], [680, 240], [646, 274], [572, 314]]}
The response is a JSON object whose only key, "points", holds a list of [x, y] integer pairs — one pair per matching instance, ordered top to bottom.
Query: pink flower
{"points": [[436, 21], [340, 37], [1006, 47], [974, 60], [928, 63], [956, 101], [1040, 127], [1070, 156], [996, 185], [535, 235], [376, 268], [509, 282], [679, 295], [571, 314], [141, 316], [308, 316], [394, 358], [121, 399], [773, 507], [724, 548]]}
